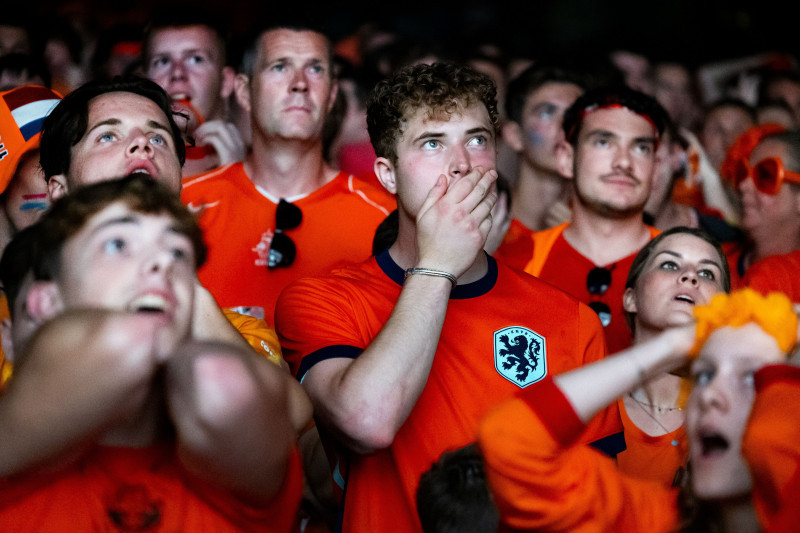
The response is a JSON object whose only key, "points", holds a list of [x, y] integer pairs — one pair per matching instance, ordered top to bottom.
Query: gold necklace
{"points": [[642, 405], [659, 408]]}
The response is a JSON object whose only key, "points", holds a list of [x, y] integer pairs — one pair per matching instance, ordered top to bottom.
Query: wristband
{"points": [[432, 272]]}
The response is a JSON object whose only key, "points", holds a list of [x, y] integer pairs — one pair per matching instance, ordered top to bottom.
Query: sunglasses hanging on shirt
{"points": [[282, 250], [597, 283]]}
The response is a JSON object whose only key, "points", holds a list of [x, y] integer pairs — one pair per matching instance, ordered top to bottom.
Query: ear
{"points": [[228, 84], [242, 89], [334, 93], [512, 135], [565, 156], [384, 170], [57, 187], [44, 300], [629, 301], [5, 339]]}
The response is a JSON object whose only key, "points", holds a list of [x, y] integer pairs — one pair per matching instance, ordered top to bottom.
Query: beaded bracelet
{"points": [[432, 272]]}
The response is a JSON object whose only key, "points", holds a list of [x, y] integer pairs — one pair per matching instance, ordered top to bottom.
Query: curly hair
{"points": [[441, 89], [612, 96]]}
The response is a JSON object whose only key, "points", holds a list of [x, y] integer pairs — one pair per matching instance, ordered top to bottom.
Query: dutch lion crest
{"points": [[520, 355]]}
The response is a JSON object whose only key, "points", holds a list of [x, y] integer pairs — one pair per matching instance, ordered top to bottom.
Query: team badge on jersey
{"points": [[520, 355]]}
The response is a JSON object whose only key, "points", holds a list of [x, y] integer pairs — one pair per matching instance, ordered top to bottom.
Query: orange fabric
{"points": [[238, 220], [517, 246], [735, 253], [566, 268], [776, 273], [339, 315], [258, 334], [5, 366], [770, 445], [655, 458], [543, 479], [133, 489]]}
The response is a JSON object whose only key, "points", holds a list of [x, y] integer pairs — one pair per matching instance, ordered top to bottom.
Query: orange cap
{"points": [[22, 113]]}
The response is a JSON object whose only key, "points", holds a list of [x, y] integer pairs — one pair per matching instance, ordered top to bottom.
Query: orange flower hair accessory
{"points": [[743, 146], [773, 313]]}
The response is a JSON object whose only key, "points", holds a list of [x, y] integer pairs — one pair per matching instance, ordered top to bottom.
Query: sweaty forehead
{"points": [[280, 43], [124, 105]]}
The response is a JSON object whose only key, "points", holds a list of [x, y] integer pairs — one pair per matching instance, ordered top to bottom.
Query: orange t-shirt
{"points": [[238, 221], [517, 246], [554, 260], [776, 273], [489, 348], [770, 446], [656, 458], [543, 479], [139, 489]]}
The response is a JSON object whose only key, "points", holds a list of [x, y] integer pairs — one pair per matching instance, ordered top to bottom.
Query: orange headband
{"points": [[773, 313]]}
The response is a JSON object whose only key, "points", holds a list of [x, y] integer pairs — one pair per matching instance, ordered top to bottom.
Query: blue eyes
{"points": [[114, 246]]}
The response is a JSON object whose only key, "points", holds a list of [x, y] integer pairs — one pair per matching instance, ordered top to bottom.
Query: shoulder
{"points": [[212, 177]]}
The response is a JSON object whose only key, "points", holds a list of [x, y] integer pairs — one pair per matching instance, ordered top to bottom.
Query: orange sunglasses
{"points": [[768, 174]]}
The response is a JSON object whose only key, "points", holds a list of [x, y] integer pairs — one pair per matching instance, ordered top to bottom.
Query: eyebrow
{"points": [[116, 122], [607, 133], [438, 135], [132, 219], [679, 256]]}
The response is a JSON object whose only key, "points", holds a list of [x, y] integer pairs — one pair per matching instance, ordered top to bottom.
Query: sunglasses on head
{"points": [[768, 174], [282, 249]]}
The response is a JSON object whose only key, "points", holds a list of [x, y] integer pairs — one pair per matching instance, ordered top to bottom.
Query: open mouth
{"points": [[684, 298], [149, 304], [713, 444]]}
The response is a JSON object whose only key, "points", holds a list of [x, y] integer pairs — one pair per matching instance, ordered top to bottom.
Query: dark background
{"points": [[691, 31]]}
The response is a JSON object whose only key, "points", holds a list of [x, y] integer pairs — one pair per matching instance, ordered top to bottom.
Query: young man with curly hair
{"points": [[403, 353]]}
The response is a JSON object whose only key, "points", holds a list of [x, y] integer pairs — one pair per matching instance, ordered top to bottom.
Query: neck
{"points": [[286, 168], [535, 191], [605, 240], [783, 240], [662, 391], [739, 516]]}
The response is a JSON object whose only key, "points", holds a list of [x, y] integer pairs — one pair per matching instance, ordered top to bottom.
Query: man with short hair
{"points": [[185, 52], [536, 102], [610, 152], [283, 213], [403, 353], [141, 426]]}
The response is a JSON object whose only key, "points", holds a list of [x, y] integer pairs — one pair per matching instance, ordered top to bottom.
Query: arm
{"points": [[81, 373], [593, 387], [366, 400], [230, 410]]}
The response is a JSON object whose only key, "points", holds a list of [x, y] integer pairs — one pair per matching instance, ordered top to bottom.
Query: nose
{"points": [[177, 70], [299, 81], [139, 145], [622, 159], [459, 162], [747, 185], [158, 260], [689, 276], [714, 395]]}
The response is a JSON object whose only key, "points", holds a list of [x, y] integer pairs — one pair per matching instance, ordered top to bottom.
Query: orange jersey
{"points": [[238, 221], [517, 246], [554, 260], [776, 273], [258, 335], [490, 347], [770, 445], [656, 458], [542, 479], [138, 489]]}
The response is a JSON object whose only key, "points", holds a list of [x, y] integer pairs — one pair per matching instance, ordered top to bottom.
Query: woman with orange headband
{"points": [[543, 481]]}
